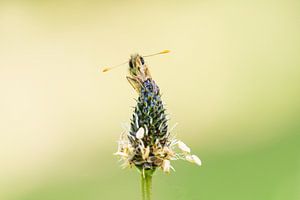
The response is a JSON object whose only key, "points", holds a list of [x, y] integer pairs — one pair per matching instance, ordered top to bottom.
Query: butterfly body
{"points": [[138, 72]]}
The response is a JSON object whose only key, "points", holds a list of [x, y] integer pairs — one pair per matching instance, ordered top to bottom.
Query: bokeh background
{"points": [[232, 83]]}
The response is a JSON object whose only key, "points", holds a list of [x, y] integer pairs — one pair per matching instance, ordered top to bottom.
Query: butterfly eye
{"points": [[142, 60]]}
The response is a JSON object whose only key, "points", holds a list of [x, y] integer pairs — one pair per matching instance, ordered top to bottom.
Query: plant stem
{"points": [[146, 181]]}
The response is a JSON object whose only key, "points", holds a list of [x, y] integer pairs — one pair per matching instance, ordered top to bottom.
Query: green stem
{"points": [[146, 180]]}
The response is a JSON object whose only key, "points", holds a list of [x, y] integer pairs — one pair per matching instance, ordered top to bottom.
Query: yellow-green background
{"points": [[232, 83]]}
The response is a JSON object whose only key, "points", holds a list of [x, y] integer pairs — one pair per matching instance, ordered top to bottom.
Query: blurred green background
{"points": [[232, 83]]}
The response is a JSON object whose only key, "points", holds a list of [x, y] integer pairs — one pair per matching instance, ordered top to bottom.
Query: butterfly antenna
{"points": [[162, 52], [106, 69]]}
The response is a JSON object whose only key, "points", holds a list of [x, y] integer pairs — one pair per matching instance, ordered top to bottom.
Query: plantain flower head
{"points": [[148, 143]]}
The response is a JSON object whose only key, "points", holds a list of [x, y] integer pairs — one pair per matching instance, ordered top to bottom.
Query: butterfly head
{"points": [[137, 66]]}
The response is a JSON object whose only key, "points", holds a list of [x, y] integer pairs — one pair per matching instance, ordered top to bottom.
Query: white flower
{"points": [[140, 133], [183, 147], [145, 152], [122, 154], [158, 155], [193, 159], [197, 160], [166, 165]]}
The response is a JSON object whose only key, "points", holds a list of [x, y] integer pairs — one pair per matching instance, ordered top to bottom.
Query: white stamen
{"points": [[140, 133], [183, 147], [145, 153], [121, 154], [189, 158], [193, 159], [197, 160], [166, 166]]}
